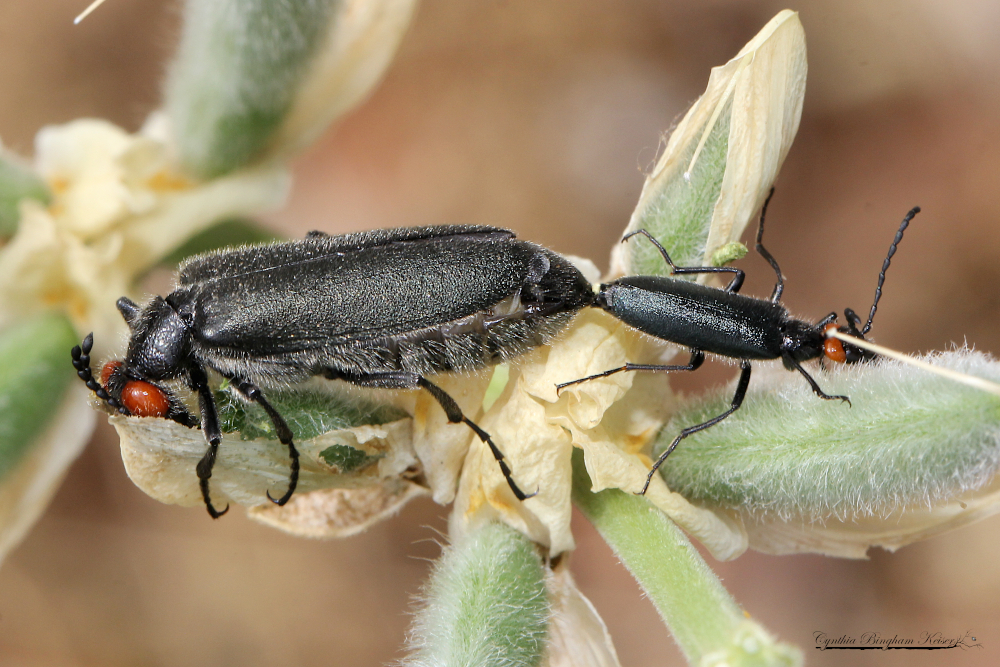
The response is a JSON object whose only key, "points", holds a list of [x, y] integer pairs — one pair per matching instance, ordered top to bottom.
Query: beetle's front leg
{"points": [[404, 380], [252, 392], [213, 433]]}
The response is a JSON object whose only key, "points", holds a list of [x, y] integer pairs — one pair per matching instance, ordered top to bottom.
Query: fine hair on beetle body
{"points": [[381, 309], [729, 324]]}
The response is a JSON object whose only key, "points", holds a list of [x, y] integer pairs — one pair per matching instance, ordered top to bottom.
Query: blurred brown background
{"points": [[542, 117]]}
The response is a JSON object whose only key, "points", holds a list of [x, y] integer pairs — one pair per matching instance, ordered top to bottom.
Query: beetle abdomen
{"points": [[427, 306], [696, 316]]}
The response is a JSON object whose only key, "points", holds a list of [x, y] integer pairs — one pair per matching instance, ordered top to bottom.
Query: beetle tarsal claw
{"points": [[283, 499], [214, 513]]}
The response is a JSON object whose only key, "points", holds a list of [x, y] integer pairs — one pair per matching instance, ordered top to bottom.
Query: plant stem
{"points": [[689, 597]]}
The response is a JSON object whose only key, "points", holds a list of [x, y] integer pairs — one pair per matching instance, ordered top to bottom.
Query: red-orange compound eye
{"points": [[833, 348], [107, 370], [144, 399]]}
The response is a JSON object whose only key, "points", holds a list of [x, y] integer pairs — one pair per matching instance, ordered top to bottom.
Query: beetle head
{"points": [[156, 351], [851, 354], [138, 397]]}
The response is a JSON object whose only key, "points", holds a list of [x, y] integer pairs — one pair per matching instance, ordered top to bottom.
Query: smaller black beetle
{"points": [[378, 309], [729, 324]]}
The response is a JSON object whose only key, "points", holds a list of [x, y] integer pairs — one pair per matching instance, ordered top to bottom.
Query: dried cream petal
{"points": [[362, 39], [770, 83], [758, 96], [538, 454], [160, 457], [337, 513], [577, 634]]}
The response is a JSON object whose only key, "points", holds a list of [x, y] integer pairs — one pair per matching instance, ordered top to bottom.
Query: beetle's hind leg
{"points": [[779, 286], [697, 359], [406, 380], [741, 392], [253, 393], [455, 415]]}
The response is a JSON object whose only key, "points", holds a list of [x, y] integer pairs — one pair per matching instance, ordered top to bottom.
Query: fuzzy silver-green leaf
{"points": [[235, 75], [35, 371], [909, 438]]}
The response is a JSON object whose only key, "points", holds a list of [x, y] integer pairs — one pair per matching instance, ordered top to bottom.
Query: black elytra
{"points": [[381, 309], [729, 324]]}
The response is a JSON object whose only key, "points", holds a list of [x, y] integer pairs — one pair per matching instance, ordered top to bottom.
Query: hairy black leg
{"points": [[734, 284], [780, 285], [697, 359], [81, 362], [405, 380], [812, 383], [741, 392], [253, 393], [455, 415], [213, 434]]}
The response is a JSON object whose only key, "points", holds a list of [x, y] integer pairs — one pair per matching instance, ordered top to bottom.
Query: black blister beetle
{"points": [[379, 309], [729, 324]]}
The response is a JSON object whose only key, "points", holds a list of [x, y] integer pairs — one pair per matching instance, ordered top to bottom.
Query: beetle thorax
{"points": [[800, 340], [159, 343]]}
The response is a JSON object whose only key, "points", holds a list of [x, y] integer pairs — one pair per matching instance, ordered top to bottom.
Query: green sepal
{"points": [[679, 214], [35, 372]]}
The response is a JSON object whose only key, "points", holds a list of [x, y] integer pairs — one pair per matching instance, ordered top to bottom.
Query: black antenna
{"points": [[885, 265]]}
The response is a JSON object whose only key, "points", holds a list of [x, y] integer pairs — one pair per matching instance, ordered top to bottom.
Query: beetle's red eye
{"points": [[833, 348], [107, 370], [144, 399]]}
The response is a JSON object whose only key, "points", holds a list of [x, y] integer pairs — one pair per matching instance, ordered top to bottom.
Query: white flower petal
{"points": [[79, 160]]}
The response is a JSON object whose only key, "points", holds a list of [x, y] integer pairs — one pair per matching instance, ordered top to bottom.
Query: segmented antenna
{"points": [[885, 265], [81, 362]]}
